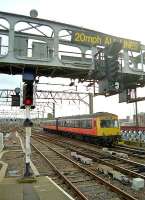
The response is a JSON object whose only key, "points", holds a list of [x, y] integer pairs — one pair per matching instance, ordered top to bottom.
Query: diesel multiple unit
{"points": [[99, 127]]}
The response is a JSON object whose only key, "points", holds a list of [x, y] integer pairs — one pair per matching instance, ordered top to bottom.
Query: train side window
{"points": [[68, 123], [71, 123], [74, 123], [89, 123], [64, 124], [77, 124], [83, 124], [86, 124]]}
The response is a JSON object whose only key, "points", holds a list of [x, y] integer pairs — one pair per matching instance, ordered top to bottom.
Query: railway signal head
{"points": [[113, 49], [111, 55], [112, 67], [28, 94]]}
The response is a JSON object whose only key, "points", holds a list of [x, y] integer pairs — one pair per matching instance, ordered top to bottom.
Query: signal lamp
{"points": [[28, 94], [28, 102]]}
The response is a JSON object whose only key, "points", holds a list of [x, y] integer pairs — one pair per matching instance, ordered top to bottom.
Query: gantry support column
{"points": [[90, 103]]}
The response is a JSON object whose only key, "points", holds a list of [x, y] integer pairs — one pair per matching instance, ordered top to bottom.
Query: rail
{"points": [[102, 181]]}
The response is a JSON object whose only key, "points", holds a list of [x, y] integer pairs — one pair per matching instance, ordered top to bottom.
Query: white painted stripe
{"points": [[17, 135], [2, 153], [4, 166], [3, 170], [70, 197]]}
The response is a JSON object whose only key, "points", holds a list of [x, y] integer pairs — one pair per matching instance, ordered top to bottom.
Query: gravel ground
{"points": [[11, 142], [14, 157], [15, 160], [42, 165]]}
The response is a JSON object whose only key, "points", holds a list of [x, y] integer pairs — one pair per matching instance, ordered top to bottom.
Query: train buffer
{"points": [[44, 188]]}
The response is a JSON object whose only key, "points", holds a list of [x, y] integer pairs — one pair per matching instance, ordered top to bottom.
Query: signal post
{"points": [[28, 79], [28, 124]]}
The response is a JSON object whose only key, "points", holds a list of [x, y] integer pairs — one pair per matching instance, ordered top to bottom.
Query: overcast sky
{"points": [[122, 18]]}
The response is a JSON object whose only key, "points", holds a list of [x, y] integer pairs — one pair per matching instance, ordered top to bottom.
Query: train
{"points": [[101, 128]]}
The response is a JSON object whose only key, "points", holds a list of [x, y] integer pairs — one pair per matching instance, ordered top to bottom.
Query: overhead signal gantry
{"points": [[33, 47], [55, 49]]}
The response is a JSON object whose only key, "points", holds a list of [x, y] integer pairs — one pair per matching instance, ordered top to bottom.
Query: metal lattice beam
{"points": [[45, 97], [44, 100]]}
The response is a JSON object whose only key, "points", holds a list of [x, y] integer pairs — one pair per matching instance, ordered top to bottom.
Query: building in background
{"points": [[141, 119], [126, 122]]}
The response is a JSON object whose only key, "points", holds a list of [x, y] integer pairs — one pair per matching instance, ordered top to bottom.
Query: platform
{"points": [[44, 188]]}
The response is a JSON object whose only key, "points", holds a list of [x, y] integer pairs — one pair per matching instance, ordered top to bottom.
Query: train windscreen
{"points": [[107, 123]]}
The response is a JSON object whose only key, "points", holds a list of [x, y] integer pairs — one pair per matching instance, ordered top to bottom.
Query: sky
{"points": [[121, 18]]}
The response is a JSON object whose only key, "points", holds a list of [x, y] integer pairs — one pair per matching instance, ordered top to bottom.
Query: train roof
{"points": [[88, 115]]}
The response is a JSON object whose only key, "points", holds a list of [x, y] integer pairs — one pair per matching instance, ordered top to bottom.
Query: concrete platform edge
{"points": [[3, 170]]}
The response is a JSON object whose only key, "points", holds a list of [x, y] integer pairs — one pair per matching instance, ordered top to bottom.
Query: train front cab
{"points": [[108, 129]]}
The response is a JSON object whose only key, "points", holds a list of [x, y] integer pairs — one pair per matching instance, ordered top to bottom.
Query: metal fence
{"points": [[132, 133]]}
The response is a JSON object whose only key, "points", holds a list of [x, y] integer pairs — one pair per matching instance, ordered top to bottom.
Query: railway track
{"points": [[131, 151], [138, 152], [127, 166], [93, 172], [84, 183]]}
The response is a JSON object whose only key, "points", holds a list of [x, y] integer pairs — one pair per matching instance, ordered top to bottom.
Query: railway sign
{"points": [[93, 38], [15, 100]]}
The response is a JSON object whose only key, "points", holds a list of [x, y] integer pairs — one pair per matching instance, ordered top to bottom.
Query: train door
{"points": [[97, 122]]}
